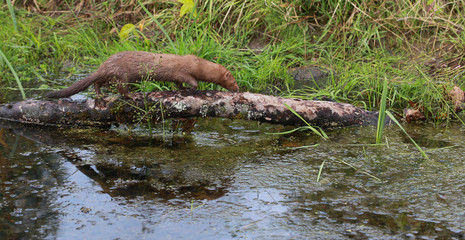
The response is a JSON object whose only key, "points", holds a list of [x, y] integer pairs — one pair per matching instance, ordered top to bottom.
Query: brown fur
{"points": [[134, 66]]}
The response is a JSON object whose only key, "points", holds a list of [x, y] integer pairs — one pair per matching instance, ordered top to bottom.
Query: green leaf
{"points": [[187, 7], [126, 30], [44, 87]]}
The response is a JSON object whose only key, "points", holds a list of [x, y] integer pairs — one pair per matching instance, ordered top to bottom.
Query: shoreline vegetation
{"points": [[417, 46]]}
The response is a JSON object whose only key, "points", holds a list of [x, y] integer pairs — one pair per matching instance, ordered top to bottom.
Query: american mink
{"points": [[123, 68]]}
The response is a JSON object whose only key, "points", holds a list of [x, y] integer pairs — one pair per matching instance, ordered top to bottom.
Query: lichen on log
{"points": [[156, 106]]}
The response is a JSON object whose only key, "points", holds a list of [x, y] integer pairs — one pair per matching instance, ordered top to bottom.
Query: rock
{"points": [[310, 76], [458, 98], [413, 115]]}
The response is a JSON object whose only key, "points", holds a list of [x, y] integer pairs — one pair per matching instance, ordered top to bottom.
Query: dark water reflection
{"points": [[229, 180]]}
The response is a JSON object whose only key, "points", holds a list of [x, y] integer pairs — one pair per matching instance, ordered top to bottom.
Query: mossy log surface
{"points": [[157, 106]]}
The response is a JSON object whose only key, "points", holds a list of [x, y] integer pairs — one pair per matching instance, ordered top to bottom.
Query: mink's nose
{"points": [[235, 89]]}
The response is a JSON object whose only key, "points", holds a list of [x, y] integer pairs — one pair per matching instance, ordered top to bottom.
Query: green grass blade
{"points": [[13, 16], [160, 26], [20, 86], [295, 113], [382, 113], [291, 131], [320, 133], [416, 145], [356, 169], [320, 170]]}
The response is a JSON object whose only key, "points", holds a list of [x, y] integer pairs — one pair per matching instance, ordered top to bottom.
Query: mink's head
{"points": [[229, 82]]}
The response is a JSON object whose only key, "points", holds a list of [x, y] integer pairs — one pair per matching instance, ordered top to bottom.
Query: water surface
{"points": [[230, 180]]}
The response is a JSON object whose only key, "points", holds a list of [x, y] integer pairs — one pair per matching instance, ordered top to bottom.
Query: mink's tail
{"points": [[73, 89]]}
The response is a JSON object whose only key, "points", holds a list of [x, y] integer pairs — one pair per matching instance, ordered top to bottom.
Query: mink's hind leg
{"points": [[97, 89], [123, 89]]}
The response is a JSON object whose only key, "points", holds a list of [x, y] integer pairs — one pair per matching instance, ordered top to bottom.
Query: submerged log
{"points": [[157, 106]]}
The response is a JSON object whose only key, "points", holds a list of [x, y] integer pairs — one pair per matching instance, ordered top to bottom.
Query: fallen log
{"points": [[157, 106]]}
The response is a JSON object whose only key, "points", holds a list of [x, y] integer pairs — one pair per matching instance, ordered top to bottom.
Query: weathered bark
{"points": [[156, 106]]}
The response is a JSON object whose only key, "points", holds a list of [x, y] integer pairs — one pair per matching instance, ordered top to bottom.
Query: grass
{"points": [[13, 15], [417, 46], [20, 86], [382, 113], [400, 126], [316, 130]]}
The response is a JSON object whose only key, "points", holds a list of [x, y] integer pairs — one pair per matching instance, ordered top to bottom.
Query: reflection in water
{"points": [[28, 180], [228, 180], [130, 182], [403, 222]]}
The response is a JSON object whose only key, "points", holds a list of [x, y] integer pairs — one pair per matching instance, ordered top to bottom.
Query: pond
{"points": [[230, 180]]}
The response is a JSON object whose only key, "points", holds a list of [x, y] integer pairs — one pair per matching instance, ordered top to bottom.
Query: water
{"points": [[230, 180]]}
